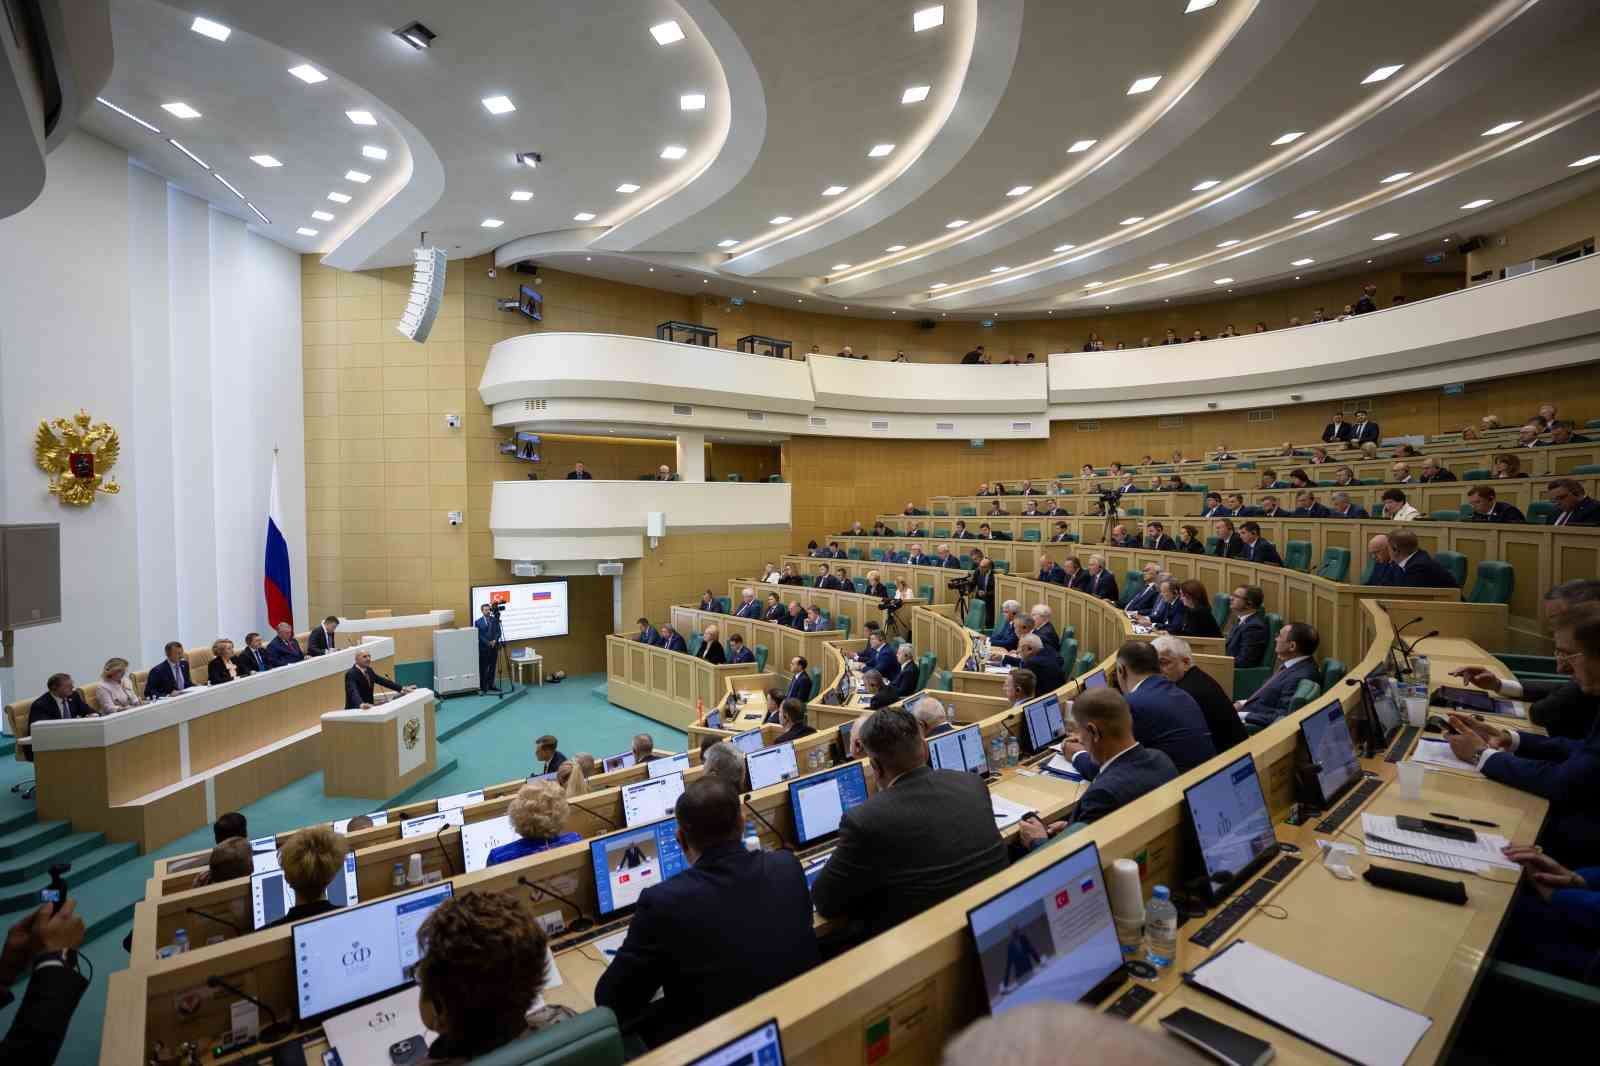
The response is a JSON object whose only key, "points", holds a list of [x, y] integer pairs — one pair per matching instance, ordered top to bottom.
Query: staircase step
{"points": [[10, 823], [30, 835], [39, 859], [85, 867]]}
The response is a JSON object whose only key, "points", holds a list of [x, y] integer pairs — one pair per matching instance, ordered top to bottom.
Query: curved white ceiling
{"points": [[776, 195]]}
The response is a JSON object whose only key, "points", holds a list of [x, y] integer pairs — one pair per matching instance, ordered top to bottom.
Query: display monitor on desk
{"points": [[1094, 680], [1383, 710], [1043, 724], [748, 741], [960, 749], [620, 761], [1333, 762], [668, 764], [768, 766], [459, 800], [651, 800], [820, 800], [1228, 812], [378, 818], [431, 824], [478, 839], [263, 854], [627, 863], [271, 897], [1049, 939], [357, 954], [761, 1046]]}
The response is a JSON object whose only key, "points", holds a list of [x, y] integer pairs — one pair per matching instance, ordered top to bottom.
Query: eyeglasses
{"points": [[1569, 656]]}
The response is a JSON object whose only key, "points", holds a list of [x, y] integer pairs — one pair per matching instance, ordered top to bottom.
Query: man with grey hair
{"points": [[1343, 508], [942, 557], [1102, 582], [1145, 598], [749, 606], [1043, 629], [1006, 633], [1177, 665], [1048, 671], [905, 682], [1559, 706], [932, 716], [644, 748], [726, 762], [923, 836], [1035, 1035]]}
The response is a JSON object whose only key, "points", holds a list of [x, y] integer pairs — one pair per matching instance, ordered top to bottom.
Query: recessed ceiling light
{"points": [[1198, 5], [927, 18], [214, 30], [668, 32], [416, 35], [308, 73], [1381, 74], [1144, 85], [915, 94], [102, 101], [692, 102], [498, 105], [179, 109], [361, 118], [1502, 128], [1289, 138], [1083, 146], [880, 150], [372, 151], [674, 151], [188, 153], [265, 161], [1585, 161], [357, 176], [1397, 176], [1209, 183], [227, 184], [627, 187], [834, 190], [1019, 190], [520, 195], [338, 197], [1471, 205], [1308, 214], [322, 216], [583, 216], [778, 220], [1131, 220], [265, 221], [491, 223], [955, 223], [306, 231], [1391, 235], [728, 243], [1064, 247], [895, 248], [1302, 262], [840, 266], [1159, 266], [999, 269], [1221, 281], [1094, 284], [939, 285]]}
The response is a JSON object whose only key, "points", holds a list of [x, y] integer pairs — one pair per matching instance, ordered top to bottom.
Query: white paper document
{"points": [[1437, 753], [1062, 767], [1006, 813], [1487, 850], [610, 945], [1339, 1017], [363, 1036]]}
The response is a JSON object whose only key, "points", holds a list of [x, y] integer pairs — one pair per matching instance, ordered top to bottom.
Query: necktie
{"points": [[1561, 519], [259, 664], [177, 678], [66, 709]]}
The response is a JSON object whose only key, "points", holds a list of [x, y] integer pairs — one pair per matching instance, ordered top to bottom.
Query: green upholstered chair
{"points": [[1593, 423], [1244, 464], [1587, 468], [1477, 473], [735, 477], [774, 479], [964, 511], [943, 512], [1133, 512], [1541, 512], [1452, 514], [941, 531], [1032, 535], [1211, 545], [853, 553], [876, 555], [1297, 555], [899, 557], [965, 561], [1454, 562], [1335, 564], [1002, 566], [808, 580], [1494, 582], [860, 584], [1132, 585], [925, 593], [723, 606], [1219, 611], [975, 615], [842, 623], [1070, 631], [695, 642], [1069, 651], [761, 653], [1085, 663], [1527, 664], [925, 665], [815, 673], [1332, 673], [1246, 679], [946, 681], [1304, 693], [591, 1039]]}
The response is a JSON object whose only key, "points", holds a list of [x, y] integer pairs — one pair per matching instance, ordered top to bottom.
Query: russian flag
{"points": [[280, 602]]}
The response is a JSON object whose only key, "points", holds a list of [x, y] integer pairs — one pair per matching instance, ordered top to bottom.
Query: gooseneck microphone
{"points": [[197, 912], [579, 924], [276, 1030]]}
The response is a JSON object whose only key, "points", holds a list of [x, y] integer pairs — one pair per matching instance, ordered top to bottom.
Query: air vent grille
{"points": [[535, 405], [1350, 407], [682, 409], [1262, 414], [756, 416], [818, 421], [1169, 421], [880, 425], [944, 427], [1022, 427], [1089, 427]]}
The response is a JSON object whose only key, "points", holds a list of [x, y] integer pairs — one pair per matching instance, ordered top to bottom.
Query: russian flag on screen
{"points": [[276, 581], [541, 596]]}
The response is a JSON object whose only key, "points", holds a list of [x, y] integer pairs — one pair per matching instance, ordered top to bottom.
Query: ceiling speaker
{"points": [[427, 290]]}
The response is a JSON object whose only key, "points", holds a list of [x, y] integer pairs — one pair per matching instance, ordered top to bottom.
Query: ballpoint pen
{"points": [[1468, 821]]}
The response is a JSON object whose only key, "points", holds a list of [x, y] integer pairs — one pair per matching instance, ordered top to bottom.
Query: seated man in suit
{"points": [[1337, 431], [1561, 433], [1433, 470], [579, 472], [1400, 474], [1269, 480], [1126, 486], [983, 490], [1234, 503], [1306, 505], [1574, 506], [1213, 507], [1269, 508], [1343, 508], [1396, 508], [1485, 508], [912, 509], [996, 509], [1030, 509], [879, 529], [914, 529], [855, 530], [962, 533], [1063, 534], [1121, 538], [1156, 539], [1229, 544], [1257, 549], [918, 557], [944, 558], [1415, 568], [1383, 571], [1050, 572], [841, 575], [1077, 576], [825, 578], [1101, 582], [1148, 594], [749, 606], [775, 610], [796, 618], [814, 622], [1019, 625], [1044, 628], [647, 633], [1005, 634], [1247, 637], [321, 640], [671, 640], [285, 648], [1295, 649], [737, 652], [877, 655], [253, 659], [1178, 666], [1048, 671], [170, 675], [800, 681], [358, 682], [905, 682], [1019, 686], [61, 702], [1165, 717], [1104, 728], [644, 748], [547, 750], [923, 836], [666, 950]]}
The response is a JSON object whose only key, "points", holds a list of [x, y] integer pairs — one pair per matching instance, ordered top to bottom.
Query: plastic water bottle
{"points": [[1419, 671], [1013, 750], [997, 753], [752, 840], [397, 880], [1161, 927], [180, 942]]}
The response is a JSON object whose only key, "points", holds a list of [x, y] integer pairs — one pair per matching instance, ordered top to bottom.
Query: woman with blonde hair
{"points": [[1369, 450], [220, 670], [115, 692], [576, 783], [538, 813], [311, 859]]}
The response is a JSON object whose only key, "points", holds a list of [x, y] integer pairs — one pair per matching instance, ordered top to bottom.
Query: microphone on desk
{"points": [[1413, 646], [597, 814], [762, 819], [213, 918], [579, 924], [276, 1030]]}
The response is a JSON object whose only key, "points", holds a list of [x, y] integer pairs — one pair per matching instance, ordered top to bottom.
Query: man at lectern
{"points": [[359, 680]]}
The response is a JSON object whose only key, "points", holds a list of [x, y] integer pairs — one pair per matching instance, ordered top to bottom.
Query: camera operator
{"points": [[983, 589], [488, 627], [46, 944]]}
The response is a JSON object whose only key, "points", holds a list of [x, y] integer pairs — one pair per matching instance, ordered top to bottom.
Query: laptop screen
{"points": [[1095, 680], [1043, 723], [748, 741], [960, 749], [1333, 755], [619, 761], [670, 764], [768, 766], [461, 799], [651, 800], [820, 800], [1229, 813], [478, 839], [627, 863], [271, 897], [358, 953]]}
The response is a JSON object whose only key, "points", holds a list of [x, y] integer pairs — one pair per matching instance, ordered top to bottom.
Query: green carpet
{"points": [[487, 750]]}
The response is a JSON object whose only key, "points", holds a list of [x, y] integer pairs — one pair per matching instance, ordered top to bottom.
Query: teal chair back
{"points": [[1244, 464], [1587, 468], [1477, 474], [775, 479], [945, 511], [964, 511], [1133, 512], [1541, 512], [1451, 515], [941, 531], [1032, 535], [1211, 545], [853, 553], [876, 555], [1297, 555], [966, 562], [1454, 562], [1335, 564], [1002, 565], [1366, 574], [808, 580], [1494, 582], [860, 584], [1132, 585], [925, 593], [723, 606], [1219, 610], [975, 615], [842, 623], [695, 642], [1069, 651], [761, 658], [1086, 663], [925, 664], [815, 673], [1332, 673], [1246, 679], [946, 681], [1304, 693], [593, 1038]]}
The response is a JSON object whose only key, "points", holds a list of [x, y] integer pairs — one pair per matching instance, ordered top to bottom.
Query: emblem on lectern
{"points": [[412, 732]]}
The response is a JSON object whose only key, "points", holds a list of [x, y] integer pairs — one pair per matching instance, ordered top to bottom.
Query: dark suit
{"points": [[1335, 431], [1365, 431], [576, 475], [1442, 475], [1316, 510], [1353, 512], [1500, 512], [1587, 513], [963, 534], [1061, 538], [1163, 543], [1231, 548], [1261, 551], [923, 559], [951, 562], [1421, 572], [1384, 574], [1055, 575], [1079, 581], [830, 583], [1103, 585], [983, 590], [1145, 599], [777, 613], [1199, 622], [1048, 634], [488, 636], [649, 636], [1005, 637], [1247, 640], [319, 641], [675, 643], [711, 651], [281, 652], [743, 655], [883, 660], [250, 661], [217, 672], [1049, 672], [163, 679], [358, 686], [904, 686], [800, 688], [1271, 701], [1560, 707], [48, 709], [1221, 718], [1167, 719], [794, 733], [1567, 773], [1130, 775], [909, 847], [755, 948], [39, 1026]]}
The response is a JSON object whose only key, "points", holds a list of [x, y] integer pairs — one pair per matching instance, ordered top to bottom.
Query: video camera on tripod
{"points": [[1110, 500]]}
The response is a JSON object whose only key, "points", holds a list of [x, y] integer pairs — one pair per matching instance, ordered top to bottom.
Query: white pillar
{"points": [[691, 456]]}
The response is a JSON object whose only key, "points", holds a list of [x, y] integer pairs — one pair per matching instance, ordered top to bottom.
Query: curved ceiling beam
{"points": [[412, 189]]}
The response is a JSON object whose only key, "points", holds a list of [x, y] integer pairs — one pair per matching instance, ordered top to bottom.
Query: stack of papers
{"points": [[1438, 753], [1061, 767], [1006, 813], [1385, 838]]}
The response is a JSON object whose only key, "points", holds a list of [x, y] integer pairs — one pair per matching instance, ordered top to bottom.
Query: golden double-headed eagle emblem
{"points": [[77, 453]]}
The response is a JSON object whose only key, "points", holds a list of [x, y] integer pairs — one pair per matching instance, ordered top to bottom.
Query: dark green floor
{"points": [[486, 750]]}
